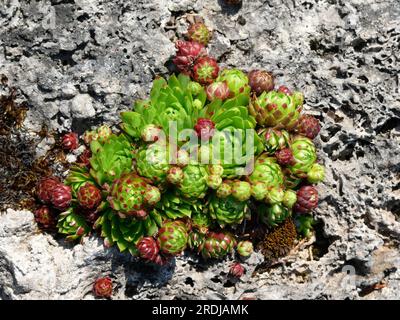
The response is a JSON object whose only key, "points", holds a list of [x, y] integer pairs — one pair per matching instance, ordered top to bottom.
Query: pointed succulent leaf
{"points": [[132, 123], [304, 155], [268, 171], [228, 210], [274, 214]]}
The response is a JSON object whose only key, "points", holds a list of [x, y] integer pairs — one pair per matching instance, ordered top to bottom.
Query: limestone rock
{"points": [[79, 63]]}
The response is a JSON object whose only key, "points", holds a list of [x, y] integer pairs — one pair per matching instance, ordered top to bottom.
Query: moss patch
{"points": [[279, 241]]}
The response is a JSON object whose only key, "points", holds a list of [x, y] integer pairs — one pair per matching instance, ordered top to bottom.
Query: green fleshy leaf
{"points": [[184, 80], [173, 82], [158, 84], [202, 96], [242, 99], [230, 103], [211, 108], [226, 115], [132, 123], [224, 123], [238, 123], [95, 146], [156, 217], [151, 226], [124, 227], [137, 228], [106, 229], [116, 235], [72, 237], [122, 245], [133, 250]]}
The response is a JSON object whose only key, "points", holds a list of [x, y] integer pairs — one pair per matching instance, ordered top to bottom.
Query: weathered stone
{"points": [[80, 63]]}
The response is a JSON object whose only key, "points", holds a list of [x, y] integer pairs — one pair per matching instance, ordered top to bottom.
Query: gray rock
{"points": [[79, 64], [82, 107]]}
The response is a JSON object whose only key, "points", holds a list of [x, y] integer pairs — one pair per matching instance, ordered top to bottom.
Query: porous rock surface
{"points": [[79, 62]]}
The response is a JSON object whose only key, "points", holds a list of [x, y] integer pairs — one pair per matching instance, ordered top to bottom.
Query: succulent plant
{"points": [[199, 32], [188, 52], [205, 70], [237, 81], [261, 81], [194, 88], [218, 90], [284, 90], [170, 101], [197, 104], [275, 108], [234, 125], [308, 126], [204, 128], [104, 132], [150, 133], [101, 134], [89, 136], [274, 140], [70, 141], [304, 155], [285, 157], [84, 158], [182, 158], [110, 160], [152, 162], [216, 169], [268, 171], [316, 174], [175, 175], [77, 177], [290, 180], [214, 181], [194, 182], [45, 188], [155, 188], [224, 190], [241, 190], [259, 190], [132, 195], [275, 195], [61, 196], [89, 196], [289, 198], [307, 199], [173, 206], [227, 211], [91, 215], [273, 215], [44, 217], [201, 221], [304, 224], [72, 225], [126, 232], [173, 237], [195, 240], [217, 245], [148, 248], [244, 248], [161, 260], [236, 270], [103, 287]]}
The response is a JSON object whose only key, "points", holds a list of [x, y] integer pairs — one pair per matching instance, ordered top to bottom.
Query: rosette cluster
{"points": [[210, 150]]}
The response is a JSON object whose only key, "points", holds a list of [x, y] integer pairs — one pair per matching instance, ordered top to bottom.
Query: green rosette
{"points": [[227, 211]]}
